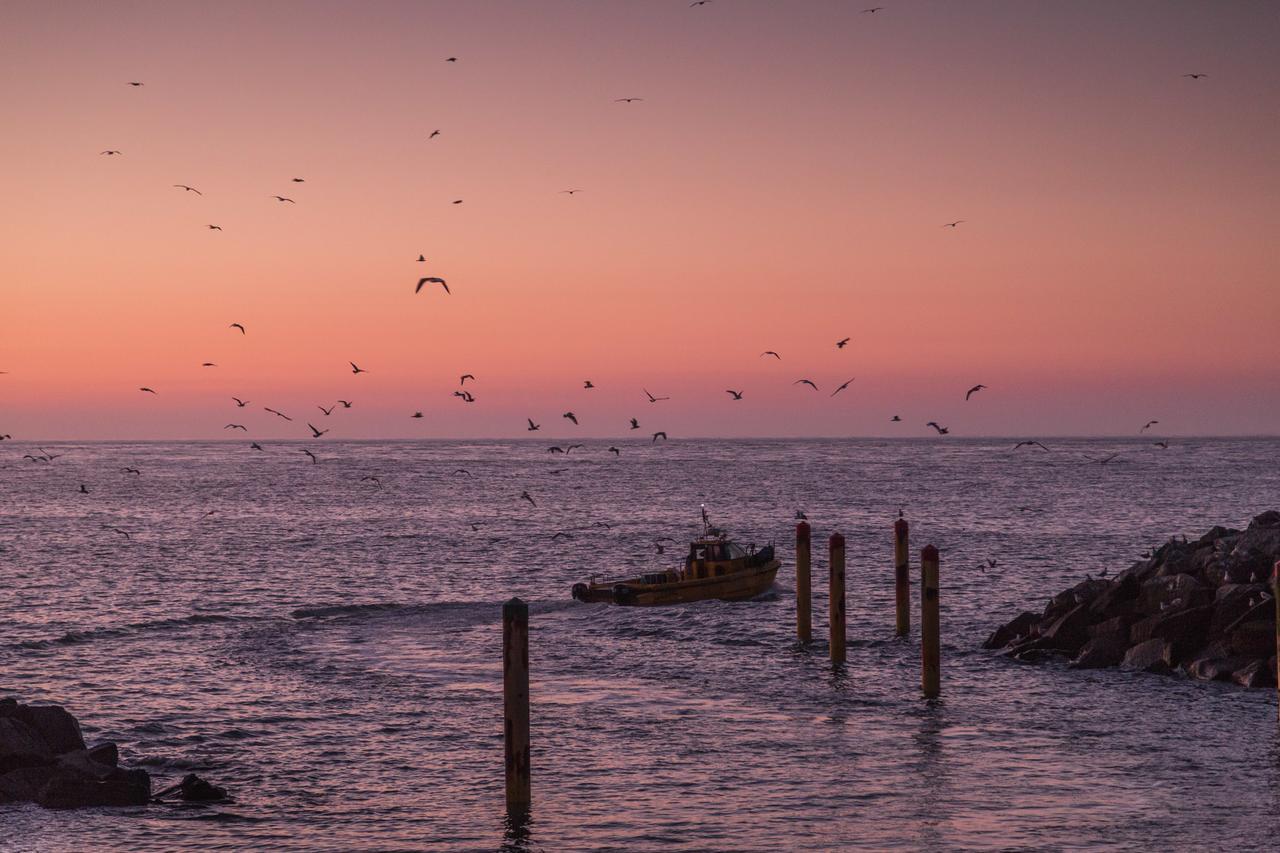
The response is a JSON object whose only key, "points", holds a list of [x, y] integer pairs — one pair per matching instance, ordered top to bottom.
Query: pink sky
{"points": [[782, 185]]}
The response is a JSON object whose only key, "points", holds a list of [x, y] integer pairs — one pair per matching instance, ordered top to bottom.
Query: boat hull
{"points": [[731, 586]]}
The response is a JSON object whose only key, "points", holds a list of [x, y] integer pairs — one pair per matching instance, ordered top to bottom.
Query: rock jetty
{"points": [[1200, 607], [44, 759]]}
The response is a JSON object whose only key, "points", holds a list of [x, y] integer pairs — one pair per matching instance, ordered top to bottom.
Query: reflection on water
{"points": [[332, 653]]}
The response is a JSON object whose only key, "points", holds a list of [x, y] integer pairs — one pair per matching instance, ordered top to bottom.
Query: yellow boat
{"points": [[716, 567]]}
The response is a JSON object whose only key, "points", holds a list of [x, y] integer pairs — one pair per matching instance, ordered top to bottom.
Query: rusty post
{"points": [[902, 576], [804, 595], [1275, 595], [837, 598], [930, 674], [515, 704]]}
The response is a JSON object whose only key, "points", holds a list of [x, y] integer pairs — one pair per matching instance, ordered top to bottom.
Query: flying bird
{"points": [[699, 3], [872, 10], [452, 59], [1195, 76], [135, 83], [626, 100], [434, 134], [110, 152], [299, 181], [189, 189], [568, 192], [282, 198], [456, 201], [952, 224], [214, 227], [422, 259], [430, 279], [237, 326], [841, 344], [772, 353], [208, 364], [356, 370], [463, 379], [808, 382], [587, 385], [842, 387], [148, 390], [974, 390], [465, 395], [737, 395], [653, 399], [240, 403], [346, 404], [328, 411], [277, 414], [417, 415], [571, 416], [895, 419], [635, 424], [532, 425], [236, 426], [1148, 426], [941, 429], [316, 433], [657, 435], [1030, 444], [1163, 445], [255, 446], [554, 450], [615, 451], [314, 460], [133, 471], [371, 479], [83, 490], [525, 497], [123, 533]]}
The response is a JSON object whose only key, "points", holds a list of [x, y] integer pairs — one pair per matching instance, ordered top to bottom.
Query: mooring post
{"points": [[902, 576], [804, 595], [1275, 595], [837, 598], [930, 673], [515, 703]]}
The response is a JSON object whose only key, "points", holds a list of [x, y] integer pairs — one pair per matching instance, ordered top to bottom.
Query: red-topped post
{"points": [[902, 576], [804, 594], [1275, 594], [837, 598], [931, 667], [515, 704]]}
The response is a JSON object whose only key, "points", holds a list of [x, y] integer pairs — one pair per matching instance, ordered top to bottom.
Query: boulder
{"points": [[1215, 533], [1258, 548], [1174, 558], [1172, 592], [1082, 593], [1117, 599], [1231, 601], [1116, 625], [1019, 628], [1186, 630], [1069, 631], [1253, 639], [1029, 651], [1102, 651], [1152, 656], [1215, 668], [1256, 673], [58, 728], [21, 746], [105, 753], [83, 764], [23, 784], [193, 789], [67, 790]]}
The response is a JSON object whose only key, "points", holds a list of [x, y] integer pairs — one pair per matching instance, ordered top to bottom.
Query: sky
{"points": [[783, 185]]}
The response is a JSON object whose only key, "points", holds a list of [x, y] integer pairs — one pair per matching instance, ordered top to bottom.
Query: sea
{"points": [[328, 646]]}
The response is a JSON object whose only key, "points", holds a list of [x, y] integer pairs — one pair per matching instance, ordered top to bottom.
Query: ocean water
{"points": [[329, 649]]}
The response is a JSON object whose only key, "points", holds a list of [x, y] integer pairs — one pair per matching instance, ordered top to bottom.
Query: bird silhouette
{"points": [[699, 3], [872, 10], [452, 59], [1195, 76], [135, 83], [626, 100], [434, 134], [110, 152], [298, 180], [189, 189], [568, 192], [282, 198], [456, 201], [952, 224], [215, 227], [422, 259], [431, 279], [237, 326], [842, 343], [772, 353], [208, 364], [355, 369], [463, 379], [808, 382], [587, 385], [842, 387], [148, 390], [974, 390], [465, 395], [737, 395], [653, 399], [240, 403], [346, 404], [328, 411], [277, 414], [417, 415], [571, 416], [895, 419], [635, 424], [236, 426], [532, 426], [1148, 426], [940, 429], [316, 433], [657, 435], [1030, 444], [1163, 445], [255, 446], [571, 448], [555, 450], [615, 451], [314, 460], [133, 471], [371, 479], [83, 490], [525, 496], [123, 533]]}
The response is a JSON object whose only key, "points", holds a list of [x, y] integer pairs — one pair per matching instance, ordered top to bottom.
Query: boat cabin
{"points": [[709, 557]]}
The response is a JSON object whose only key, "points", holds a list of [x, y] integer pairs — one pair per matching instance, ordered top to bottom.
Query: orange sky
{"points": [[782, 185]]}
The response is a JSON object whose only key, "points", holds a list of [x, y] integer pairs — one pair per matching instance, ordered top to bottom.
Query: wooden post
{"points": [[902, 576], [1275, 594], [804, 596], [837, 598], [930, 674], [515, 704]]}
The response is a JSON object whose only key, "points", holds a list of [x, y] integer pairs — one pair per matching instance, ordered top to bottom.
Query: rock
{"points": [[1215, 533], [1258, 548], [1174, 558], [1172, 592], [1082, 593], [1118, 598], [1232, 601], [1117, 625], [1019, 628], [1186, 630], [1068, 632], [1253, 639], [1103, 650], [1029, 651], [1152, 656], [1215, 668], [1257, 673], [58, 728], [21, 746], [105, 753], [81, 763], [23, 784], [193, 789], [68, 791]]}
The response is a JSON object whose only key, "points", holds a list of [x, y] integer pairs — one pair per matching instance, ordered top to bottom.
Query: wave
{"points": [[342, 610], [72, 638]]}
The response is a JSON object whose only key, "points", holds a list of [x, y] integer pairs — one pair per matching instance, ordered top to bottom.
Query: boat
{"points": [[716, 567]]}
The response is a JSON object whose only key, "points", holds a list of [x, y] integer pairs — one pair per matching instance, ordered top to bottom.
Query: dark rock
{"points": [[1215, 533], [1258, 548], [1174, 558], [1172, 592], [1082, 593], [1117, 599], [1232, 601], [1116, 625], [1018, 628], [1186, 630], [1068, 632], [1253, 639], [1029, 651], [1102, 651], [1152, 656], [1215, 668], [1257, 673], [58, 728], [21, 746], [105, 753], [81, 763], [23, 784], [196, 790], [68, 791]]}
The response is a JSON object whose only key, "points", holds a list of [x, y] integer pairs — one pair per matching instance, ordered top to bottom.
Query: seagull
{"points": [[699, 3], [872, 10], [452, 59], [1195, 76], [135, 83], [626, 100], [434, 134], [110, 152], [299, 181], [189, 189], [568, 192], [282, 198], [456, 201], [952, 224], [215, 227], [422, 259], [433, 280], [237, 326], [841, 344], [772, 353], [208, 364], [356, 370], [463, 379], [808, 382], [587, 385], [841, 388], [148, 390], [974, 390], [465, 395], [737, 395], [653, 399], [240, 403], [346, 404], [328, 411], [277, 414], [417, 415], [571, 416], [895, 419], [635, 424], [532, 425], [236, 426], [1148, 426], [941, 429], [316, 433], [658, 434], [1030, 444], [1163, 445], [255, 446], [570, 448], [555, 450], [615, 451], [314, 460], [133, 471], [462, 471], [371, 479], [83, 490], [524, 496], [800, 516], [123, 533]]}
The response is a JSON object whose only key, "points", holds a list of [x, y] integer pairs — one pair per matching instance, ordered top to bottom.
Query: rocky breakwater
{"points": [[1202, 607]]}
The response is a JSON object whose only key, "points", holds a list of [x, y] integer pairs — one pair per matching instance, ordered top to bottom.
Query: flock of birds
{"points": [[467, 396]]}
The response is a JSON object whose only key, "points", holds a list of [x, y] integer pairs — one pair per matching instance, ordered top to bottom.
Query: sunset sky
{"points": [[782, 185]]}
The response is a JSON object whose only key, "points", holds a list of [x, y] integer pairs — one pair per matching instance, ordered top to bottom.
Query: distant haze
{"points": [[783, 185]]}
